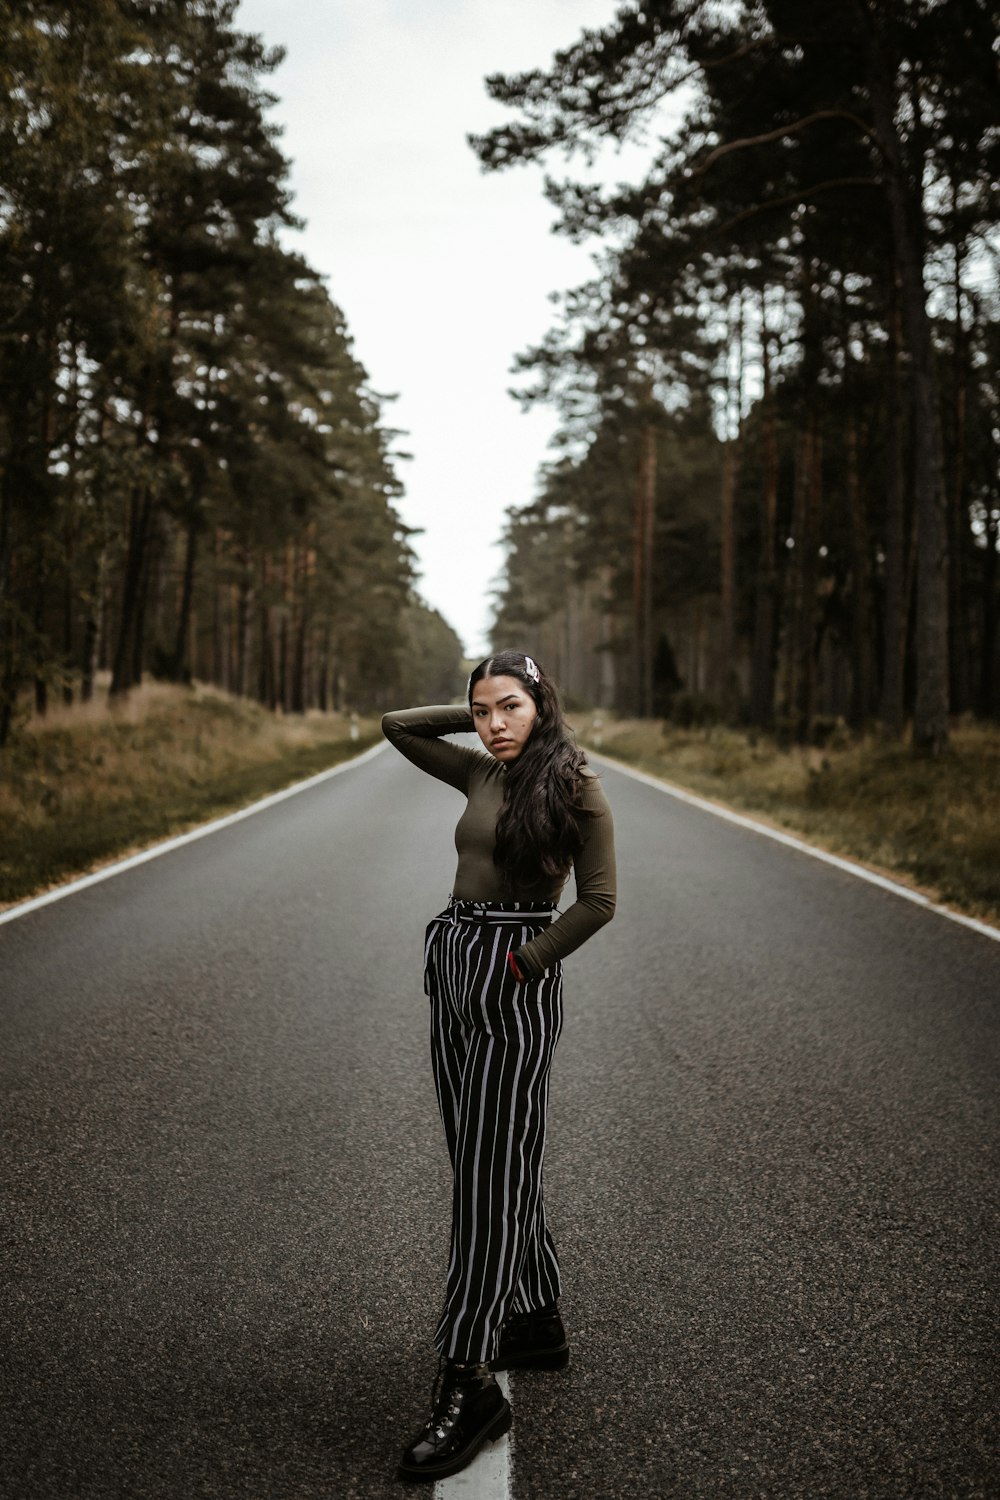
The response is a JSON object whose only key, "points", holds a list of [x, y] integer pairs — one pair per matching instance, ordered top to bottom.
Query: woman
{"points": [[493, 972]]}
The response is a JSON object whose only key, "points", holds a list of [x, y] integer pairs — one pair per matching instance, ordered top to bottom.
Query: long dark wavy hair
{"points": [[538, 826]]}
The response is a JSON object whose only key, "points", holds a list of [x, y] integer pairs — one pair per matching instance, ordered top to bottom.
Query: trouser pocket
{"points": [[432, 938]]}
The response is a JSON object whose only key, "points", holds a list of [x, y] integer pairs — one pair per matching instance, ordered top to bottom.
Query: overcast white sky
{"points": [[443, 272]]}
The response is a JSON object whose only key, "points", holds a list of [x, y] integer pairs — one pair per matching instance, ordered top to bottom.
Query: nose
{"points": [[498, 719]]}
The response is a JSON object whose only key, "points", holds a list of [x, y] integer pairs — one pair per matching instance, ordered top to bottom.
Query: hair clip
{"points": [[531, 669]]}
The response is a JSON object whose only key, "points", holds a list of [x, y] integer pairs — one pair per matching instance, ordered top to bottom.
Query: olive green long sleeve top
{"points": [[418, 733]]}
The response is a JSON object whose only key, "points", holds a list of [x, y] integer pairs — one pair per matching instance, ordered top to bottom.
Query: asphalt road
{"points": [[772, 1173]]}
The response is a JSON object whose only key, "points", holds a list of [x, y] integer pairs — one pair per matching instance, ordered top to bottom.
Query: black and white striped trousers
{"points": [[492, 1041]]}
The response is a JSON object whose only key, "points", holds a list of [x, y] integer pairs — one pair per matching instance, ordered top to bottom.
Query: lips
{"points": [[499, 744]]}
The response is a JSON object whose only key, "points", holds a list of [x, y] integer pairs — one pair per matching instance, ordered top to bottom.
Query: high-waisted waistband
{"points": [[500, 911]]}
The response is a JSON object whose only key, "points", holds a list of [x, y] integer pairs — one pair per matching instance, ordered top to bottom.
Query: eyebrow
{"points": [[479, 703]]}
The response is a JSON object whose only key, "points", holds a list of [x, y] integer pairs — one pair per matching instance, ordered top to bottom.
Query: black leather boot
{"points": [[533, 1341], [469, 1411]]}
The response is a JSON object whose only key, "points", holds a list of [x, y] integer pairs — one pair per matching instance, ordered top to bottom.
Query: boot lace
{"points": [[445, 1401]]}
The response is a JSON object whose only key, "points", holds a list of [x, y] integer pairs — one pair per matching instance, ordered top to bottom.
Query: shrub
{"points": [[693, 711]]}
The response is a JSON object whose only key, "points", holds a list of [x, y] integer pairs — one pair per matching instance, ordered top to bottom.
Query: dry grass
{"points": [[91, 783], [932, 823]]}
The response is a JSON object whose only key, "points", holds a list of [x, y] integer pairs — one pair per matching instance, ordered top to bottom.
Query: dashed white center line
{"points": [[488, 1477]]}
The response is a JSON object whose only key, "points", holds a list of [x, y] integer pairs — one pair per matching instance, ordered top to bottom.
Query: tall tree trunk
{"points": [[47, 427], [730, 470], [72, 487], [140, 514], [638, 532], [648, 543], [150, 570], [300, 572], [642, 573], [793, 591], [766, 594], [68, 595], [105, 614], [68, 621], [220, 621], [244, 629], [94, 630], [91, 631], [286, 637], [807, 643], [861, 644], [265, 663], [299, 665], [179, 668], [960, 668], [324, 672], [9, 673], [283, 673], [960, 674], [989, 677], [41, 682], [728, 682], [800, 691], [892, 706], [930, 721]]}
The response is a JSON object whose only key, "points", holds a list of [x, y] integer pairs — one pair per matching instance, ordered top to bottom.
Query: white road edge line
{"points": [[155, 850], [850, 866], [488, 1477]]}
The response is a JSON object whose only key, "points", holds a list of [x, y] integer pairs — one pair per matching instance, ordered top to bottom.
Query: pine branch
{"points": [[707, 65], [786, 130], [773, 203]]}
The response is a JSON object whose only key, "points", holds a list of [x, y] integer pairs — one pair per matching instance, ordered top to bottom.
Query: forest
{"points": [[196, 479], [774, 499]]}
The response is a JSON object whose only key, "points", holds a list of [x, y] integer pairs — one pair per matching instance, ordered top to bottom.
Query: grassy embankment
{"points": [[90, 784], [932, 824]]}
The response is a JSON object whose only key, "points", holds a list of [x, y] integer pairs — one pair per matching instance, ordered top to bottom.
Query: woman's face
{"points": [[504, 713]]}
